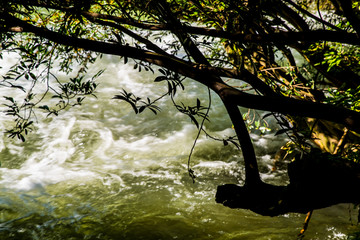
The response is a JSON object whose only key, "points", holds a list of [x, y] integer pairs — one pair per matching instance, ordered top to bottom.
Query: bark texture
{"points": [[314, 184]]}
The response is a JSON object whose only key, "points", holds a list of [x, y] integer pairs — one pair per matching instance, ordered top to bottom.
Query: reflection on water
{"points": [[101, 172]]}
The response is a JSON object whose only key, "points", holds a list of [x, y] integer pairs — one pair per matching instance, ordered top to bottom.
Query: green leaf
{"points": [[162, 71], [32, 75], [160, 78], [169, 88], [120, 97], [9, 99], [134, 107], [141, 109], [153, 110], [193, 119], [27, 124], [257, 124], [21, 137]]}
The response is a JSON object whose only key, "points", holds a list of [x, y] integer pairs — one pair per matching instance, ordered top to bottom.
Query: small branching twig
{"points": [[134, 101]]}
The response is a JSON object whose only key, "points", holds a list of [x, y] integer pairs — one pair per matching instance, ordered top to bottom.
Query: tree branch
{"points": [[350, 15], [313, 16], [121, 20], [178, 29], [130, 33], [279, 37], [171, 62], [202, 74], [245, 76], [291, 106], [252, 176], [315, 182]]}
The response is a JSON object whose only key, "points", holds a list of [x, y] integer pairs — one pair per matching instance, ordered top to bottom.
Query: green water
{"points": [[101, 172]]}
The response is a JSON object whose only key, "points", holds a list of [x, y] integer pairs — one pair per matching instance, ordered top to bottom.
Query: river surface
{"points": [[99, 171]]}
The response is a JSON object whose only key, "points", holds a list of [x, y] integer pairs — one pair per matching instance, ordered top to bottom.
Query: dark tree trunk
{"points": [[314, 184]]}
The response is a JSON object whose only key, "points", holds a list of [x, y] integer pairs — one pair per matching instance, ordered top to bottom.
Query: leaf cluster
{"points": [[173, 79], [349, 98], [137, 104], [194, 111], [22, 124]]}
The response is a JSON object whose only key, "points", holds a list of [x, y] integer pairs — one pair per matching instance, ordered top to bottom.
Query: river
{"points": [[99, 171]]}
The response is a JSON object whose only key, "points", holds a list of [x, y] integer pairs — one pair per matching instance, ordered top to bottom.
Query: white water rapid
{"points": [[99, 171]]}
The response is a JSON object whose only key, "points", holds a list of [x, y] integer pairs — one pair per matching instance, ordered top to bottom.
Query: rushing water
{"points": [[99, 171]]}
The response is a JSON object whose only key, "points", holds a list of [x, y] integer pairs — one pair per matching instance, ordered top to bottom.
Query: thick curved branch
{"points": [[302, 10], [350, 15], [291, 16], [178, 29], [279, 37], [282, 37], [170, 62], [202, 74], [245, 76], [291, 106], [251, 167]]}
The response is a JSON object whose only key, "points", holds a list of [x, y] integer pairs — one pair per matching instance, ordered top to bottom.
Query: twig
{"points": [[191, 172], [305, 226]]}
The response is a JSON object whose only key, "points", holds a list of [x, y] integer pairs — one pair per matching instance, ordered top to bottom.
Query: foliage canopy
{"points": [[295, 59]]}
